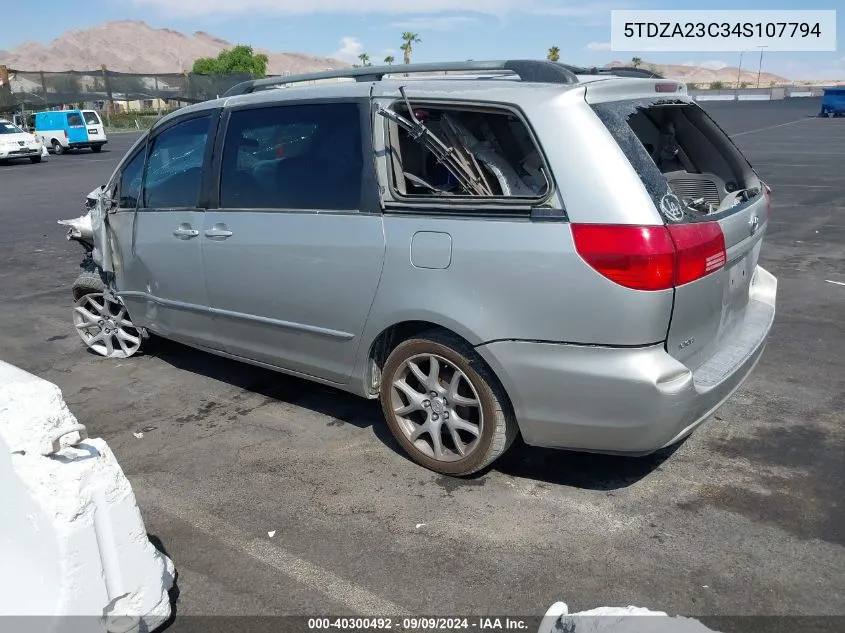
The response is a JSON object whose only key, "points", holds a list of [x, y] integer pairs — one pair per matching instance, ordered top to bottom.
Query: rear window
{"points": [[91, 118], [75, 120], [689, 166]]}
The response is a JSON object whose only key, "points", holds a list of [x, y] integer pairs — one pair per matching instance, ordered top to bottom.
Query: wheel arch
{"points": [[392, 335]]}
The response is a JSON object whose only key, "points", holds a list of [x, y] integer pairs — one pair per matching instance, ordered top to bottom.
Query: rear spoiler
{"points": [[619, 71], [616, 90]]}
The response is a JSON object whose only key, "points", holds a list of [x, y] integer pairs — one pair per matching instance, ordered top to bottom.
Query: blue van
{"points": [[833, 102], [61, 130]]}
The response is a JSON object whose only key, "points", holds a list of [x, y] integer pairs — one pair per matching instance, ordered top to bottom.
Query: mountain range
{"points": [[132, 46], [729, 76]]}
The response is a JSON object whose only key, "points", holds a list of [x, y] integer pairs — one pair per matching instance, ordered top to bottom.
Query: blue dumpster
{"points": [[833, 102]]}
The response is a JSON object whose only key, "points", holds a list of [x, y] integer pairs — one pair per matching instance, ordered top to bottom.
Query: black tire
{"points": [[96, 148], [58, 149], [35, 159], [89, 281], [499, 428]]}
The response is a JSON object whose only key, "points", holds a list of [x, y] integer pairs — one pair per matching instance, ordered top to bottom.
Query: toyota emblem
{"points": [[671, 207]]}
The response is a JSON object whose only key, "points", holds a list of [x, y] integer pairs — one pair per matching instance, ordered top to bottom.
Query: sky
{"points": [[449, 29]]}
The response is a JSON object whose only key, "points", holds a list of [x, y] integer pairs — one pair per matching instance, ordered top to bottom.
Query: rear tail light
{"points": [[65, 133], [767, 192], [700, 250], [638, 257], [651, 257]]}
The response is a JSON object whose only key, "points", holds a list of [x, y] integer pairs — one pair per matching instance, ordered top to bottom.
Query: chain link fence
{"points": [[121, 97]]}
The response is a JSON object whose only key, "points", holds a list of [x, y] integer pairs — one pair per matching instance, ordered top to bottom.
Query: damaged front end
{"points": [[81, 229], [99, 315]]}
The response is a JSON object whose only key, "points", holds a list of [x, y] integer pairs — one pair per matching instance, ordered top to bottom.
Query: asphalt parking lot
{"points": [[745, 518]]}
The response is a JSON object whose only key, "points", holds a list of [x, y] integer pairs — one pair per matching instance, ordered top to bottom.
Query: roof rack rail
{"points": [[526, 69], [617, 71]]}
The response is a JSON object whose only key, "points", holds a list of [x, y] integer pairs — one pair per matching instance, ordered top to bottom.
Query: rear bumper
{"points": [[625, 400]]}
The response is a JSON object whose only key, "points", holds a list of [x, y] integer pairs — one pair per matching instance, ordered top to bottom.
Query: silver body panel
{"points": [[587, 364]]}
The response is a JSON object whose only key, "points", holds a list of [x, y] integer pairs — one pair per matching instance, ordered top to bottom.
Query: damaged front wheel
{"points": [[105, 326]]}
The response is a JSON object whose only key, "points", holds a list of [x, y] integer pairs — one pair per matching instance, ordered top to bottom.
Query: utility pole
{"points": [[760, 67], [739, 70], [5, 85], [109, 94], [158, 97]]}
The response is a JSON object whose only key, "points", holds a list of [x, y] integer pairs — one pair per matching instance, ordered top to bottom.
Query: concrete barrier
{"points": [[730, 97], [755, 97], [73, 542], [617, 620]]}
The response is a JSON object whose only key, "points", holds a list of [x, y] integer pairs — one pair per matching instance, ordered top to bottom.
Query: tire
{"points": [[96, 148], [58, 149], [35, 159], [89, 281], [106, 328], [497, 424]]}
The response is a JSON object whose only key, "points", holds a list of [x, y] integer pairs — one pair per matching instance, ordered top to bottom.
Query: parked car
{"points": [[833, 102], [62, 130], [17, 144], [531, 249]]}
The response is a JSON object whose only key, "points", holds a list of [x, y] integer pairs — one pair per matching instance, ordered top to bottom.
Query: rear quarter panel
{"points": [[593, 175], [510, 279]]}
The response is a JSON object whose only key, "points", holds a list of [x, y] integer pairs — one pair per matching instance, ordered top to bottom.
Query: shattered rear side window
{"points": [[615, 116]]}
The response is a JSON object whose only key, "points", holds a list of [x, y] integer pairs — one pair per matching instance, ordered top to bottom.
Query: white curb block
{"points": [[72, 539], [616, 620]]}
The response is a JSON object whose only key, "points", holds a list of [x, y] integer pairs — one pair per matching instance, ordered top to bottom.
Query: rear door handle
{"points": [[185, 232], [218, 232]]}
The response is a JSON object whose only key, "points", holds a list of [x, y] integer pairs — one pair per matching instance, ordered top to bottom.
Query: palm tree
{"points": [[409, 40], [554, 54], [365, 59], [389, 60], [636, 62]]}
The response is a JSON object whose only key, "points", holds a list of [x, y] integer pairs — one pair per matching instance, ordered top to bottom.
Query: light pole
{"points": [[760, 67], [739, 70]]}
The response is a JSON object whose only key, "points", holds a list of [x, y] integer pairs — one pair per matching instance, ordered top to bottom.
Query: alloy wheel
{"points": [[105, 326], [437, 407]]}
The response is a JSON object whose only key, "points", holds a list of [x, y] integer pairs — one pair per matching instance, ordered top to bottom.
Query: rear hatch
{"points": [[96, 131], [715, 208]]}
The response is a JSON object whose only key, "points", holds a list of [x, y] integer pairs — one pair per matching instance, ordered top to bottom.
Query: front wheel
{"points": [[35, 159], [103, 325], [444, 406]]}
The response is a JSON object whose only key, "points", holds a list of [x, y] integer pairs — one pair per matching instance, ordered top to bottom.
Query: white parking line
{"points": [[771, 127], [79, 162], [808, 186], [838, 283], [338, 589]]}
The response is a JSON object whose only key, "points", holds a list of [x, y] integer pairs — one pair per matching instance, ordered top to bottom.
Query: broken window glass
{"points": [[678, 150], [455, 151]]}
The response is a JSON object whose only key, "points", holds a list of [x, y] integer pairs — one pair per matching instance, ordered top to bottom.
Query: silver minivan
{"points": [[489, 248]]}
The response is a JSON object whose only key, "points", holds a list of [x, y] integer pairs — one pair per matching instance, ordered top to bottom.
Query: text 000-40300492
{"points": [[722, 31], [418, 623]]}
